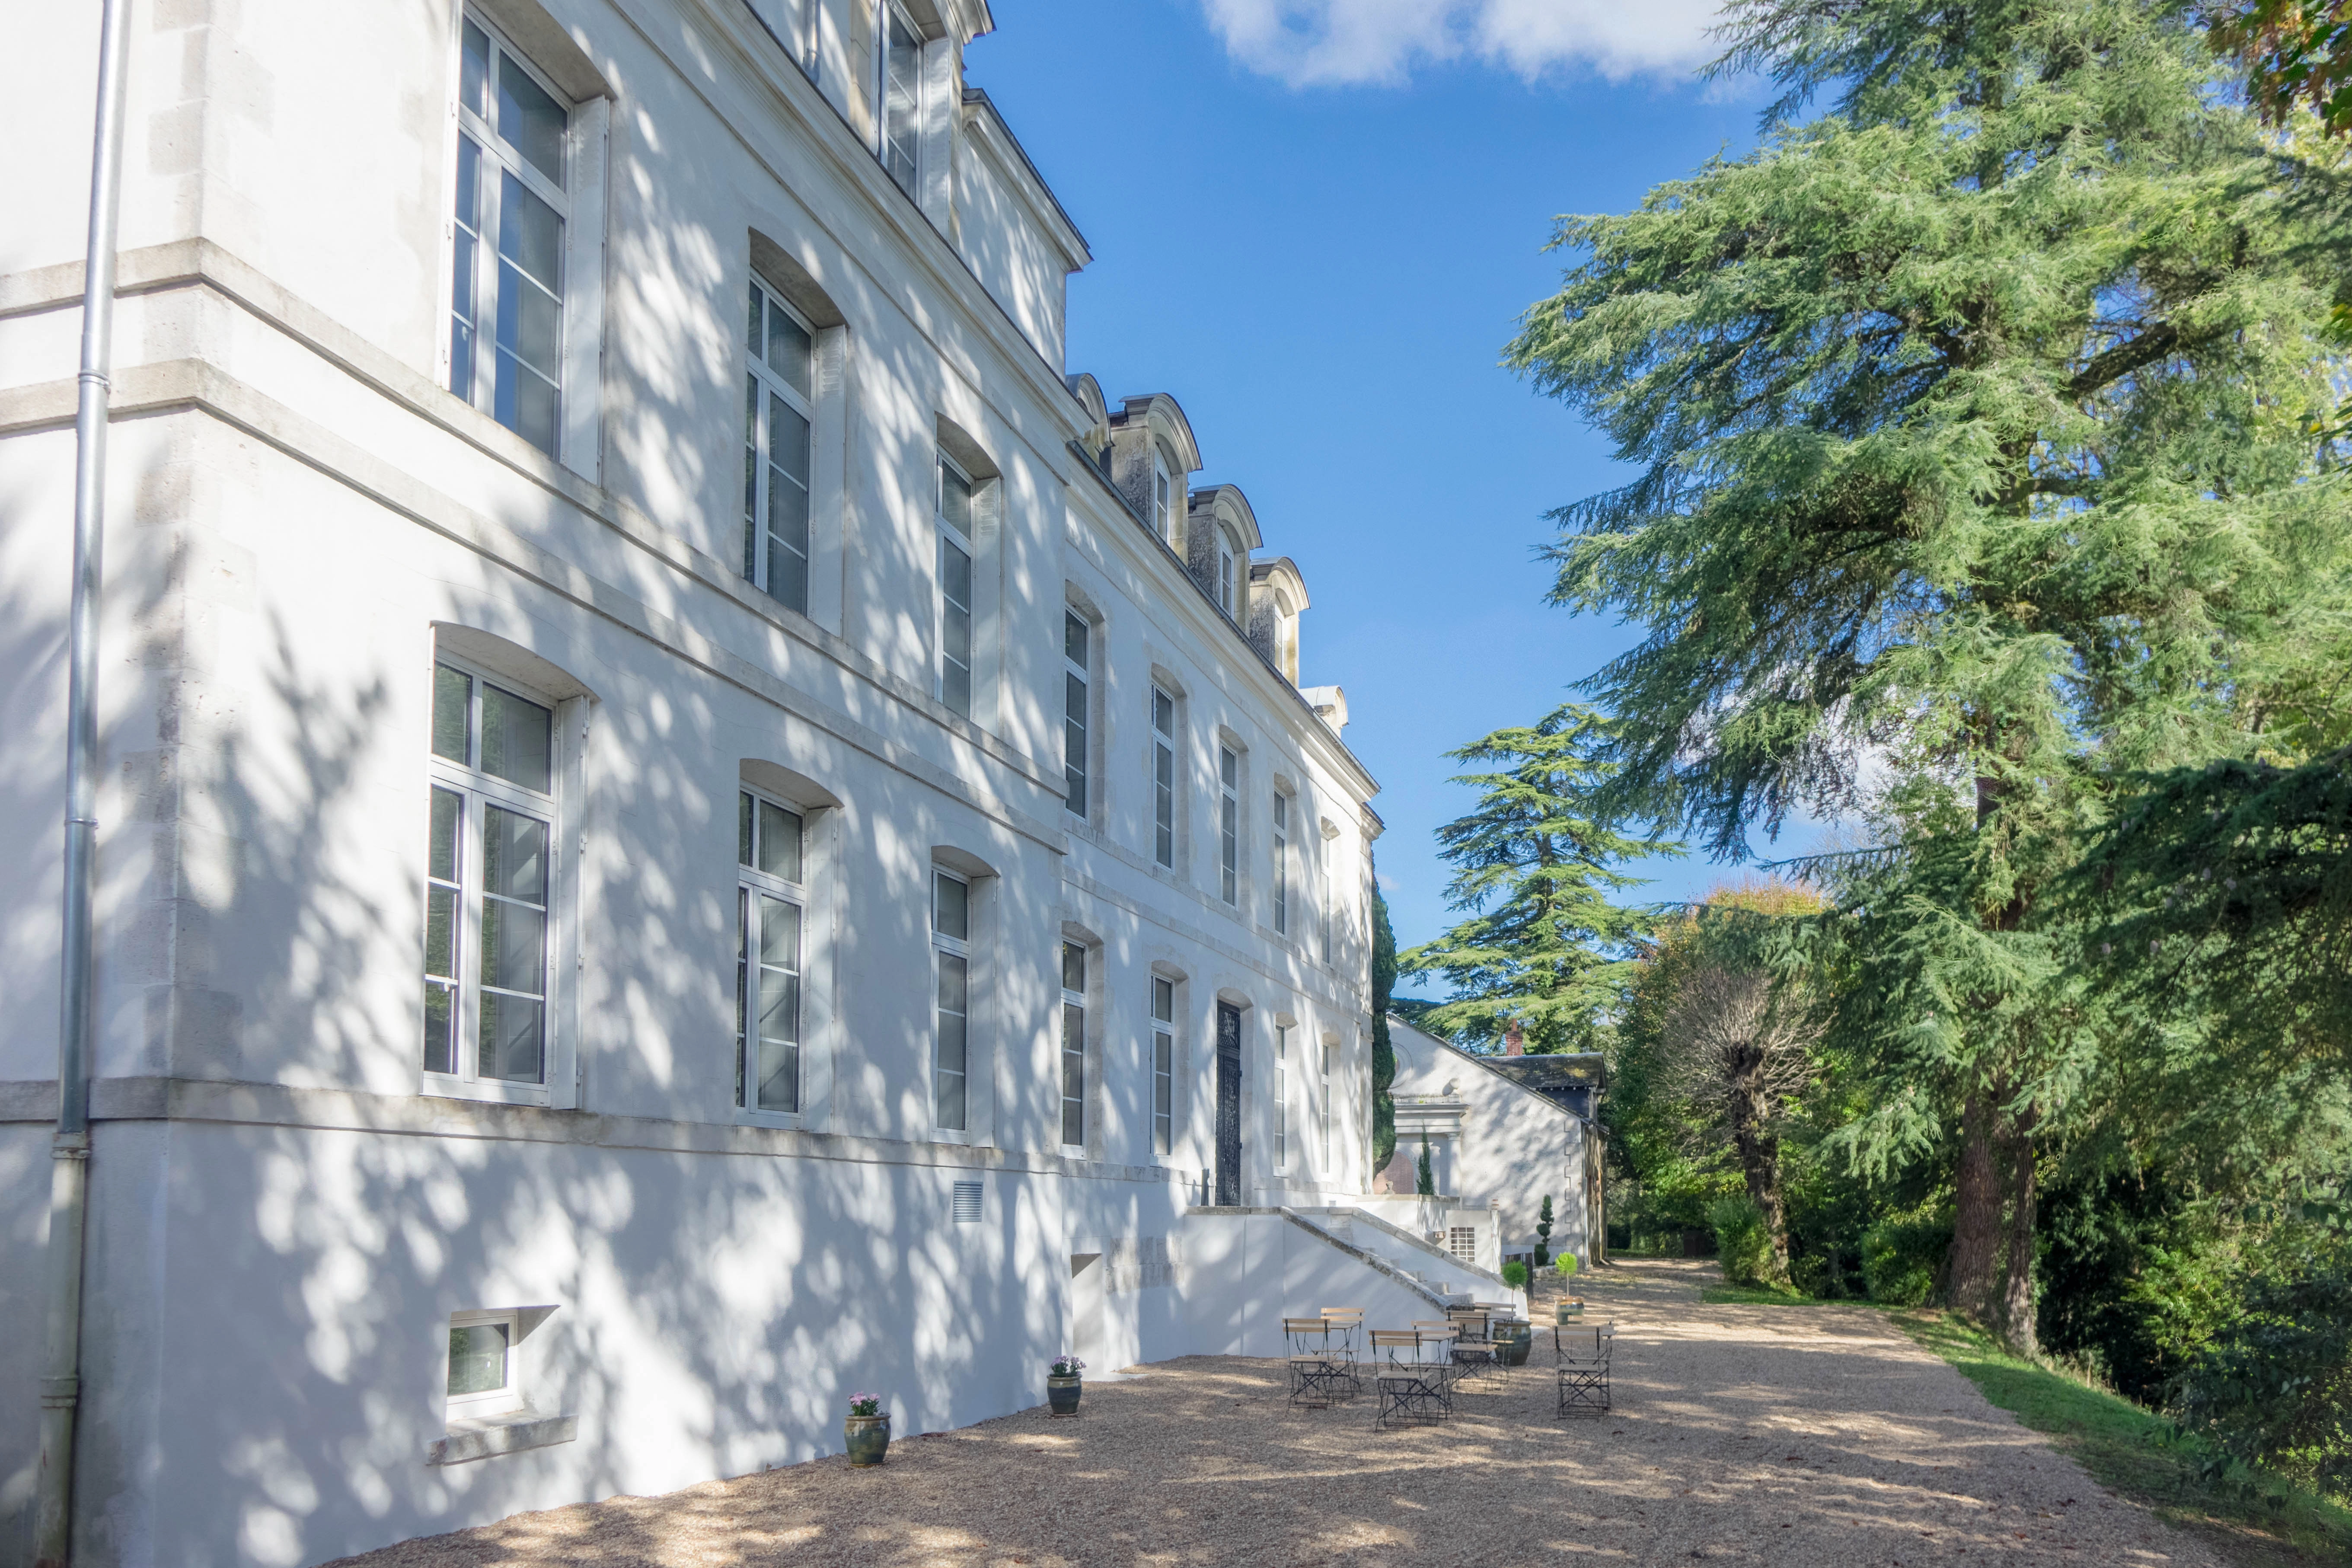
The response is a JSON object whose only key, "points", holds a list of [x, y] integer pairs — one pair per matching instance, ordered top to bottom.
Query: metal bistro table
{"points": [[1580, 1352]]}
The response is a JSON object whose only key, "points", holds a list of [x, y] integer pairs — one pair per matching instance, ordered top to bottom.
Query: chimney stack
{"points": [[1513, 1045]]}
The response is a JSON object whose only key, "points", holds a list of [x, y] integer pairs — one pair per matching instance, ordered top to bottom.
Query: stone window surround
{"points": [[527, 33], [486, 657]]}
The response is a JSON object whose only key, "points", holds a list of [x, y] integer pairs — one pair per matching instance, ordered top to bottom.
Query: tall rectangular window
{"points": [[902, 96], [506, 290], [777, 408], [1163, 519], [955, 587], [1075, 639], [1163, 778], [1229, 826], [1281, 863], [489, 876], [768, 903], [1324, 914], [951, 961], [1073, 1043], [1163, 1065], [1281, 1096], [1323, 1102]]}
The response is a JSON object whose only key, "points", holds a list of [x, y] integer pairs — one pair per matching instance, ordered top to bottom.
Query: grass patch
{"points": [[1759, 1295], [2254, 1519]]}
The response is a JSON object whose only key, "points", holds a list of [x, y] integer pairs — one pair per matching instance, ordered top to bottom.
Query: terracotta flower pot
{"points": [[1062, 1394], [866, 1438]]}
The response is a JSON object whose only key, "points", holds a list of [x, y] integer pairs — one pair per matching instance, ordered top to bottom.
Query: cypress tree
{"points": [[1971, 424], [1384, 975]]}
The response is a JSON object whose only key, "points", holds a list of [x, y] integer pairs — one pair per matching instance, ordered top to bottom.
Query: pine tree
{"points": [[1971, 429], [1546, 945]]}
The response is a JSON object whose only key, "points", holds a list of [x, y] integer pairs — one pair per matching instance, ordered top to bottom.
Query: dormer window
{"points": [[902, 96], [1162, 515], [1226, 559], [1285, 639]]}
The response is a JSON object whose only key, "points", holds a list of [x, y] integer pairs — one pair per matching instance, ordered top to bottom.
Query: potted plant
{"points": [[1568, 1307], [1063, 1385], [865, 1430]]}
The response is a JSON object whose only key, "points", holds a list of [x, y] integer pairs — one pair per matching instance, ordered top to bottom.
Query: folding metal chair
{"points": [[1347, 1323], [1441, 1343], [1472, 1347], [1581, 1353], [1318, 1372], [1412, 1391]]}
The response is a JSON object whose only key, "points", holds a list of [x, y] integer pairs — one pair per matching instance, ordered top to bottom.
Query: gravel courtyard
{"points": [[1814, 1436]]}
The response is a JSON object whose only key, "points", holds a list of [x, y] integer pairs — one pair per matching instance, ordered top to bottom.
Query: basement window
{"points": [[487, 1411]]}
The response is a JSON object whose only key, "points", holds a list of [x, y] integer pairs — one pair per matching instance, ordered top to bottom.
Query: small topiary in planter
{"points": [[1568, 1307], [1063, 1385], [865, 1430]]}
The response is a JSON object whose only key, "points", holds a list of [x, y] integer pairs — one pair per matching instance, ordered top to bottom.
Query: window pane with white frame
{"points": [[902, 96], [507, 289], [777, 411], [954, 509], [1164, 517], [1225, 574], [1076, 638], [1163, 778], [1229, 826], [1281, 863], [489, 876], [769, 903], [1324, 914], [951, 961], [1073, 1043], [1163, 1065], [1281, 1096], [1324, 1159], [481, 1369]]}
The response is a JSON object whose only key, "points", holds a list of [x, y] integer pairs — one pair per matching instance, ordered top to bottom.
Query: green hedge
{"points": [[1742, 1241]]}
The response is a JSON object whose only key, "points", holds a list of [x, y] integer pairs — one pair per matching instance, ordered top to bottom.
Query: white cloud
{"points": [[1345, 42]]}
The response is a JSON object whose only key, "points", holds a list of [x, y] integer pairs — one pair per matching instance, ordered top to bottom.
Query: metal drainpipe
{"points": [[70, 1168]]}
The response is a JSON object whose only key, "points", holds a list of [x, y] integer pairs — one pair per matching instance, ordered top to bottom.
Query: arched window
{"points": [[900, 125], [778, 409], [955, 550], [506, 726]]}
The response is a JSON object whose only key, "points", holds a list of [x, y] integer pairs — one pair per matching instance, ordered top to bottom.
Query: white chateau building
{"points": [[687, 824]]}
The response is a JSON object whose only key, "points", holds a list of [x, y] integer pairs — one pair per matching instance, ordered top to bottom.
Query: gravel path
{"points": [[1815, 1436]]}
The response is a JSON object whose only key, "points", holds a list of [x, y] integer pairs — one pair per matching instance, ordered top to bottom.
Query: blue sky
{"points": [[1324, 275]]}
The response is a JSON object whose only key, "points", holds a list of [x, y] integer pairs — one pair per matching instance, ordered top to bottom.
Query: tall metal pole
{"points": [[69, 1169]]}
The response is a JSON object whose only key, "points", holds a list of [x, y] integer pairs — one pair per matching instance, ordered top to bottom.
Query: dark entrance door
{"points": [[1229, 1104]]}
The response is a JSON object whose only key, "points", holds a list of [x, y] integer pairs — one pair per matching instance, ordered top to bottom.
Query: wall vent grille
{"points": [[967, 1202]]}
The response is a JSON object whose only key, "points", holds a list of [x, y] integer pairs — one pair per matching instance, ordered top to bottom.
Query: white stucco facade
{"points": [[311, 535], [1503, 1133]]}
